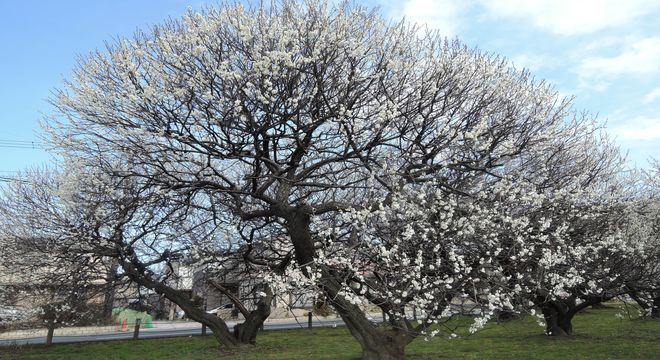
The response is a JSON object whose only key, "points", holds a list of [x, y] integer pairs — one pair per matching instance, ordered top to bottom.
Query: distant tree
{"points": [[643, 230], [137, 232], [561, 245], [574, 257], [49, 275]]}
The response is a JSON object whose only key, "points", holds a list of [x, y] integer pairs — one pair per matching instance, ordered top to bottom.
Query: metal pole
{"points": [[205, 309], [136, 331]]}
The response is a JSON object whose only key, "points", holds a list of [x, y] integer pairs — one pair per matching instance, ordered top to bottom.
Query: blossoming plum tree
{"points": [[378, 148], [643, 229], [560, 243]]}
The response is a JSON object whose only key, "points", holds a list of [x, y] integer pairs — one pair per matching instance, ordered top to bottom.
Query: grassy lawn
{"points": [[598, 335]]}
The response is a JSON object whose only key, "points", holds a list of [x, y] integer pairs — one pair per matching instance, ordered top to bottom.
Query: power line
{"points": [[21, 141], [21, 144], [23, 147], [12, 175], [8, 179]]}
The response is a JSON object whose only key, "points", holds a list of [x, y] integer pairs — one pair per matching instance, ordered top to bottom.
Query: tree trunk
{"points": [[109, 296], [108, 302], [645, 303], [507, 315], [255, 319], [557, 322], [51, 331], [247, 331], [376, 343], [383, 350]]}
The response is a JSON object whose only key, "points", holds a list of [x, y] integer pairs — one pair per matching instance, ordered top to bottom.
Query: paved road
{"points": [[164, 332], [154, 333]]}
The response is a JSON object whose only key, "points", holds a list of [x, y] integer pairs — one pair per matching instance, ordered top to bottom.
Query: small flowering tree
{"points": [[311, 115], [642, 228], [554, 229], [63, 230], [561, 243], [572, 257], [62, 283]]}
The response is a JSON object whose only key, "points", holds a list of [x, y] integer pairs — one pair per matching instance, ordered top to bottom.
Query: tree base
{"points": [[385, 352]]}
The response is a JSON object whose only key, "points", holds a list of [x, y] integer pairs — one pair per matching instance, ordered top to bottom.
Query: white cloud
{"points": [[443, 15], [570, 17], [606, 43], [641, 57], [533, 62], [650, 97], [638, 129]]}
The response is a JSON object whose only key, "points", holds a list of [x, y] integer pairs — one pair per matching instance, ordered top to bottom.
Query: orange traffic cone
{"points": [[124, 325]]}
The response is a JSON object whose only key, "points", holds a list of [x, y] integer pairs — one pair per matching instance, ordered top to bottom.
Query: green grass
{"points": [[598, 335]]}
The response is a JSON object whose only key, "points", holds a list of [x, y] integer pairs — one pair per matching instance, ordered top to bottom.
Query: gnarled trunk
{"points": [[651, 304], [559, 313], [507, 315], [254, 320], [557, 321], [247, 331], [376, 344], [385, 348]]}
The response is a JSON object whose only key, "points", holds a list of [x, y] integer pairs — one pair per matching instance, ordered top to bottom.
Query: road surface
{"points": [[164, 332], [155, 333]]}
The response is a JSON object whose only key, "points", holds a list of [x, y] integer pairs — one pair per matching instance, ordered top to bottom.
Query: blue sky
{"points": [[606, 53]]}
